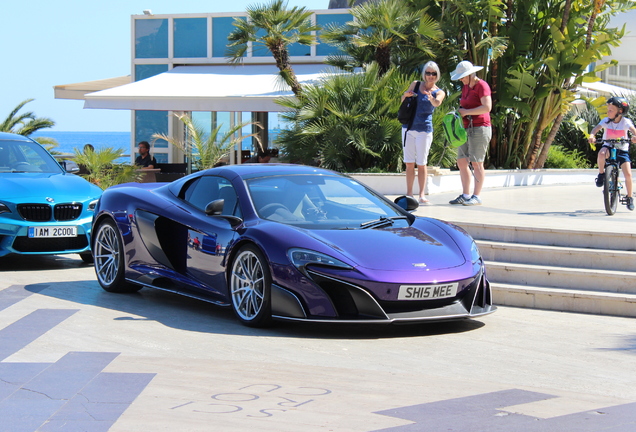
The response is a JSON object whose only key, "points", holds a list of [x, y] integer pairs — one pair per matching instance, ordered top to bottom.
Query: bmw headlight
{"points": [[92, 205], [4, 208], [303, 257]]}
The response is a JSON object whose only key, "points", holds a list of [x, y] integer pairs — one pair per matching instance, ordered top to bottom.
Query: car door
{"points": [[211, 236]]}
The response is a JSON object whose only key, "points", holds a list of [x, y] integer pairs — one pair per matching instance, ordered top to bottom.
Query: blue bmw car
{"points": [[44, 210]]}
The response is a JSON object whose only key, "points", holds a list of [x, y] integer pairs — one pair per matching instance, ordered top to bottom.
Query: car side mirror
{"points": [[69, 166], [408, 203], [215, 208]]}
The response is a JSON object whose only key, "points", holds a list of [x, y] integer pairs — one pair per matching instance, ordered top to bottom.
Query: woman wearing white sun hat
{"points": [[475, 105]]}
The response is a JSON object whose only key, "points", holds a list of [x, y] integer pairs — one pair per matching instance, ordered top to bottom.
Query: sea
{"points": [[69, 141]]}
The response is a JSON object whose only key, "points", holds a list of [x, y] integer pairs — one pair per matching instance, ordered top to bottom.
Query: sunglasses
{"points": [[430, 73]]}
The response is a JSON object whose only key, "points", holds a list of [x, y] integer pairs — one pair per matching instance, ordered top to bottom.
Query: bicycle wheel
{"points": [[610, 189]]}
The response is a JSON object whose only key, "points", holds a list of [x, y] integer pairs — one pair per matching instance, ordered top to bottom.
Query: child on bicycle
{"points": [[615, 126]]}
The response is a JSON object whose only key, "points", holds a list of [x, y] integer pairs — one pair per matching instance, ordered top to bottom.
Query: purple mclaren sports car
{"points": [[276, 241]]}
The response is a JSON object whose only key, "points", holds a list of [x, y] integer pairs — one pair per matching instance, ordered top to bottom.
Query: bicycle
{"points": [[612, 185]]}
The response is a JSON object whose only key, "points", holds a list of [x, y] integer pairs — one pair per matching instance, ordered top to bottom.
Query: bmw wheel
{"points": [[108, 253], [250, 287]]}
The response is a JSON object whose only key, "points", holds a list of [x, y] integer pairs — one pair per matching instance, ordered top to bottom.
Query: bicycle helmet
{"points": [[620, 103]]}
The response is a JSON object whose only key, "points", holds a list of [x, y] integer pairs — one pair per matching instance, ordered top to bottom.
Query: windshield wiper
{"points": [[382, 221]]}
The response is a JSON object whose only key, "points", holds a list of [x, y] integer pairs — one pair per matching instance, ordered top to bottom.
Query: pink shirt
{"points": [[471, 98]]}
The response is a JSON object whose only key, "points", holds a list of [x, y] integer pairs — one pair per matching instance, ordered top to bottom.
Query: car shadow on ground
{"points": [[41, 262], [184, 313]]}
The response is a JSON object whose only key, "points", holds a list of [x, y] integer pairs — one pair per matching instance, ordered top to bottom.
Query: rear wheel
{"points": [[610, 189], [108, 253], [250, 287]]}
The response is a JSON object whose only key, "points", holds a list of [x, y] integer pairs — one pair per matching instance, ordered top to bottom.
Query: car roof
{"points": [[5, 136], [267, 169], [247, 171]]}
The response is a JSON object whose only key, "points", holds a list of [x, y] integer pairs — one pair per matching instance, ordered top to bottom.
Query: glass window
{"points": [[221, 28], [190, 37], [151, 38], [258, 49], [297, 49], [323, 49], [612, 70], [623, 70], [146, 71], [632, 71], [148, 123], [26, 157], [161, 157], [206, 189], [321, 202]]}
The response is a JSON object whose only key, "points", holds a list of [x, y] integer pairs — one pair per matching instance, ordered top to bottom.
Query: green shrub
{"points": [[559, 157]]}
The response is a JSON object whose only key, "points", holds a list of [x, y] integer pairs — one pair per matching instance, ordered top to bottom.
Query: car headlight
{"points": [[92, 205], [4, 208], [475, 256], [303, 257]]}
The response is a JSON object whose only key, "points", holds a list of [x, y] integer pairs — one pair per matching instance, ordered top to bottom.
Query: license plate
{"points": [[52, 231], [425, 292]]}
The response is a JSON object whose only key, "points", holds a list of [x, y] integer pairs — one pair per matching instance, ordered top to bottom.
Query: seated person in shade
{"points": [[263, 156], [145, 160]]}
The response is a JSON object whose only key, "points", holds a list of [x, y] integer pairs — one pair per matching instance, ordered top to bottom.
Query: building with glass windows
{"points": [[179, 64]]}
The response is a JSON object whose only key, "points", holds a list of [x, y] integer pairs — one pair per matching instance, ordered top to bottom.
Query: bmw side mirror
{"points": [[69, 166], [408, 203]]}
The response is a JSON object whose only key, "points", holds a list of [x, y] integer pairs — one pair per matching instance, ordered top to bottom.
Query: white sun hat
{"points": [[463, 69]]}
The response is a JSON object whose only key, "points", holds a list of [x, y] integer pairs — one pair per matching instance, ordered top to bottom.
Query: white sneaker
{"points": [[473, 200]]}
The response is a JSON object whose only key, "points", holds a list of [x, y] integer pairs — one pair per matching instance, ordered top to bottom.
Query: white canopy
{"points": [[247, 88], [607, 89], [78, 90]]}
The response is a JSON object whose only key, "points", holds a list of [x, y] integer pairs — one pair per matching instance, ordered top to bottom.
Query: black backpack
{"points": [[407, 109]]}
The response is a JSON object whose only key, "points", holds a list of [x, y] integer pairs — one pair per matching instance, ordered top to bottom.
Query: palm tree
{"points": [[273, 27], [388, 32], [26, 123], [207, 148], [102, 169]]}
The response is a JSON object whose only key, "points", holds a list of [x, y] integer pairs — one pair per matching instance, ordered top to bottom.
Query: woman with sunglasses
{"points": [[417, 139]]}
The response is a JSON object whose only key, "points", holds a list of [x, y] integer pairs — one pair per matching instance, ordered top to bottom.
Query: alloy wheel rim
{"points": [[106, 255], [248, 285]]}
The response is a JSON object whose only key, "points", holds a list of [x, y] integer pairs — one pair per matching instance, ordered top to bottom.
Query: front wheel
{"points": [[610, 189], [108, 253], [87, 257], [250, 287]]}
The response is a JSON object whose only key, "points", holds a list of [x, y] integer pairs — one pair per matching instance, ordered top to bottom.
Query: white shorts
{"points": [[416, 147]]}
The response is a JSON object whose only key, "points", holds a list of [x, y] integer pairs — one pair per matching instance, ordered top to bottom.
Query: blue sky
{"points": [[51, 42]]}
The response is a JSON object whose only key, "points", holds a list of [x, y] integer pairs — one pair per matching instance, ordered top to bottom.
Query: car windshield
{"points": [[25, 156], [318, 201]]}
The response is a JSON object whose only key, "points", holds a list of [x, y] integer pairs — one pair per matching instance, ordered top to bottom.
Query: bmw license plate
{"points": [[52, 231], [425, 292]]}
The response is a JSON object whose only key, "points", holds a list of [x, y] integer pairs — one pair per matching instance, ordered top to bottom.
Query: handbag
{"points": [[408, 107]]}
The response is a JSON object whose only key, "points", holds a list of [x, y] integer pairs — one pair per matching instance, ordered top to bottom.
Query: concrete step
{"points": [[551, 237], [560, 256], [556, 269], [562, 277], [565, 300]]}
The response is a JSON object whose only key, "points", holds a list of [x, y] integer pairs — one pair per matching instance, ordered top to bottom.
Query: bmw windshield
{"points": [[25, 156]]}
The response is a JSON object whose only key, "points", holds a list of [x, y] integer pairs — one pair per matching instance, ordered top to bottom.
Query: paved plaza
{"points": [[76, 358]]}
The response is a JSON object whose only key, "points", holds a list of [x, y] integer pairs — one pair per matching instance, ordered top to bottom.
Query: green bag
{"points": [[454, 129]]}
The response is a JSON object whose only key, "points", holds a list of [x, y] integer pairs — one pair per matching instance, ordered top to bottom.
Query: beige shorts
{"points": [[476, 146]]}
